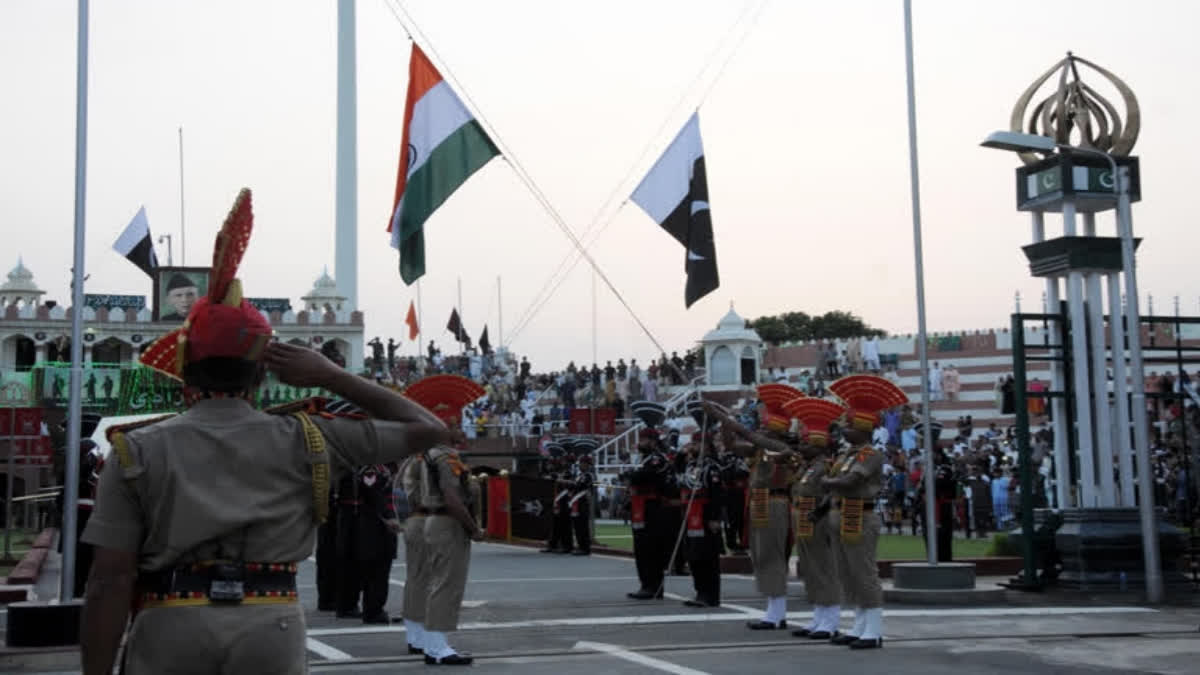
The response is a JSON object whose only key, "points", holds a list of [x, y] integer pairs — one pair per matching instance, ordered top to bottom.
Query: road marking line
{"points": [[702, 617], [325, 651], [640, 659]]}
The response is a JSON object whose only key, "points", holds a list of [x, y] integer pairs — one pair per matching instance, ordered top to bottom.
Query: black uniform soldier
{"points": [[91, 462], [556, 471], [734, 477], [703, 499], [580, 504], [203, 517], [652, 540], [375, 548]]}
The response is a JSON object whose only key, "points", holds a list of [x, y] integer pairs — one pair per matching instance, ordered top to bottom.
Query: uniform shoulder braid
{"points": [[116, 436]]}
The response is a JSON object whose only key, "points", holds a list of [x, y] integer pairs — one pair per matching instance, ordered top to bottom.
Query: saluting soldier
{"points": [[445, 396], [771, 468], [856, 481], [204, 516], [449, 530], [816, 537]]}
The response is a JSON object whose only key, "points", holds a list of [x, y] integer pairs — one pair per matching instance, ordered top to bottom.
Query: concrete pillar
{"points": [[346, 188], [1080, 371], [1058, 406], [1121, 430]]}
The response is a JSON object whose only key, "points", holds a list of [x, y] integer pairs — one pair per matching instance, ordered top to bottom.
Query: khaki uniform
{"points": [[224, 480], [770, 522], [858, 526], [447, 542], [816, 543], [415, 556]]}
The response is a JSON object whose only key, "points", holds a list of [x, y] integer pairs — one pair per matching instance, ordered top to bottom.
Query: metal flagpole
{"points": [[182, 235], [500, 305], [462, 324], [420, 337], [595, 357], [74, 407], [927, 442]]}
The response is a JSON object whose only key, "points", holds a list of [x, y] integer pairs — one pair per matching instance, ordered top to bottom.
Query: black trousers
{"points": [[735, 517], [674, 521], [581, 523], [560, 528], [945, 532], [651, 546], [83, 553], [704, 559], [327, 567], [375, 575], [349, 580]]}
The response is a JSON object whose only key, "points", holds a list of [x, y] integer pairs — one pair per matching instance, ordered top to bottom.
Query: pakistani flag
{"points": [[442, 146], [675, 194], [136, 244]]}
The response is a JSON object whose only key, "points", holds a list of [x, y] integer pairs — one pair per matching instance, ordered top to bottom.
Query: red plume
{"points": [[230, 247], [449, 393], [775, 395]]}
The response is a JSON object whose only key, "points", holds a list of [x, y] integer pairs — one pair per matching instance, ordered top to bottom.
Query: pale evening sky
{"points": [[805, 139]]}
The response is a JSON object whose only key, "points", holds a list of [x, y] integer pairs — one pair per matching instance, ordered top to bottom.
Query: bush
{"points": [[1005, 544]]}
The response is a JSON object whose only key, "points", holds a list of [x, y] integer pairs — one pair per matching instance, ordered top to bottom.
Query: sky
{"points": [[802, 110]]}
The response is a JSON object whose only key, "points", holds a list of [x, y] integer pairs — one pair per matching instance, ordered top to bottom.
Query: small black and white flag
{"points": [[675, 194], [136, 244]]}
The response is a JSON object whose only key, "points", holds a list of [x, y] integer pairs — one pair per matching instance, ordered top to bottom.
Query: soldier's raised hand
{"points": [[300, 366]]}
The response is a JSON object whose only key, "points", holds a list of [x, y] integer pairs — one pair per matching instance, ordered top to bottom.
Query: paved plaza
{"points": [[533, 613]]}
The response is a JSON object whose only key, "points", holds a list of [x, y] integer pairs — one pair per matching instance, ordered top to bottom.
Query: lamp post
{"points": [[1019, 142]]}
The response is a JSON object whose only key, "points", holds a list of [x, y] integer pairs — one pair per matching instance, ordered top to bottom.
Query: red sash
{"points": [[637, 508], [695, 515]]}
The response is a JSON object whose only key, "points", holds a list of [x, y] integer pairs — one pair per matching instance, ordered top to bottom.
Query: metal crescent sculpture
{"points": [[1076, 106]]}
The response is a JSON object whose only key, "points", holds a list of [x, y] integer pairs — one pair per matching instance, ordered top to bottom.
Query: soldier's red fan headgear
{"points": [[222, 324], [445, 395], [775, 395], [866, 396], [816, 415]]}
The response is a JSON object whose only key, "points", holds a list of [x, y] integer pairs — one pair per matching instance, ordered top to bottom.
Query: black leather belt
{"points": [[193, 584]]}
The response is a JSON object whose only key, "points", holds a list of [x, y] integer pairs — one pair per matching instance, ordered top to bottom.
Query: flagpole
{"points": [[915, 179], [182, 236], [500, 305], [462, 325], [420, 347], [595, 356], [75, 406]]}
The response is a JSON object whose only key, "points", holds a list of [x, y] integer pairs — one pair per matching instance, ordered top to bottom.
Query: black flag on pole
{"points": [[675, 194], [136, 244], [455, 326], [485, 345]]}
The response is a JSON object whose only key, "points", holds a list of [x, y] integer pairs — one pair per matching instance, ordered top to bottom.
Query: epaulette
{"points": [[309, 406], [116, 438]]}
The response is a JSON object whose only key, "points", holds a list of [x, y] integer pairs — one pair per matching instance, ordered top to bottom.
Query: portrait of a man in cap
{"points": [[177, 290]]}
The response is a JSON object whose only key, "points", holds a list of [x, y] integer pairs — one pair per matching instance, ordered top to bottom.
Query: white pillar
{"points": [[346, 196], [1079, 370], [1058, 405], [1101, 406], [1124, 447]]}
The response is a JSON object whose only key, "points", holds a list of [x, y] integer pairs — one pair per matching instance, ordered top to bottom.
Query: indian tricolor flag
{"points": [[441, 147]]}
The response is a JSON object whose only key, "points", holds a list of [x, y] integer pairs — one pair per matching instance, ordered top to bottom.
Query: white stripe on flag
{"points": [[438, 114], [670, 179], [137, 230]]}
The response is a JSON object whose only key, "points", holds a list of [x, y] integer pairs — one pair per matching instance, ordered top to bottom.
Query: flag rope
{"points": [[415, 34], [571, 259]]}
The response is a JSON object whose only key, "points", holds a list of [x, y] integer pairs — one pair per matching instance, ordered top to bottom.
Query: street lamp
{"points": [[1020, 142]]}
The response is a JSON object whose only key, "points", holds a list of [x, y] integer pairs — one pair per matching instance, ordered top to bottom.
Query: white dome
{"points": [[20, 281], [324, 294], [732, 328]]}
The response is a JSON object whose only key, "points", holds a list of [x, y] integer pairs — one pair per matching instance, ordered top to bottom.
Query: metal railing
{"points": [[610, 457]]}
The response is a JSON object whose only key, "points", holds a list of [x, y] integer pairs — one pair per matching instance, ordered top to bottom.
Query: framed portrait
{"points": [[176, 289]]}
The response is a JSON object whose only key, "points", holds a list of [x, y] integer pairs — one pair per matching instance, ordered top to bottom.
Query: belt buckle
{"points": [[227, 583]]}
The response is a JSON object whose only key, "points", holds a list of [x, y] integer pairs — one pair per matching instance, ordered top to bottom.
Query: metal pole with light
{"points": [[1019, 142], [915, 179], [74, 408]]}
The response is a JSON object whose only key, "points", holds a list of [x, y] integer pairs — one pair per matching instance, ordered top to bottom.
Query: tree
{"points": [[800, 327]]}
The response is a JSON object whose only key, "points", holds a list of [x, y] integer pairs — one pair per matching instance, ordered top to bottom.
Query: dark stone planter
{"points": [[1098, 546]]}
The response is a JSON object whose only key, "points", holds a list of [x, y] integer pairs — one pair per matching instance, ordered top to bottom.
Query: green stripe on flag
{"points": [[450, 164]]}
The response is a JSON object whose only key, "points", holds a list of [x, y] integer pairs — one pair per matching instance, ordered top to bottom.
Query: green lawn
{"points": [[891, 546]]}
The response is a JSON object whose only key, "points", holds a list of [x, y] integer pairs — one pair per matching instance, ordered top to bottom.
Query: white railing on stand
{"points": [[608, 457]]}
